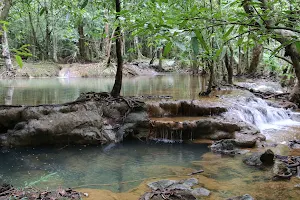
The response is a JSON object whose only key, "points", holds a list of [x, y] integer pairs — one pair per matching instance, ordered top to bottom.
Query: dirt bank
{"points": [[50, 69]]}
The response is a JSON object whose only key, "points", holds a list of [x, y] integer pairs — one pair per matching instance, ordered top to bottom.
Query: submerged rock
{"points": [[294, 144], [227, 147], [260, 159], [172, 184], [175, 190], [200, 192], [244, 197]]}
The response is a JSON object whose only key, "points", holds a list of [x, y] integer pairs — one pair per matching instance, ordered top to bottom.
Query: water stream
{"points": [[270, 120], [96, 166], [93, 167]]}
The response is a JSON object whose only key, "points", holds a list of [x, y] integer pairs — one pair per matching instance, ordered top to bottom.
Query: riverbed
{"points": [[121, 171]]}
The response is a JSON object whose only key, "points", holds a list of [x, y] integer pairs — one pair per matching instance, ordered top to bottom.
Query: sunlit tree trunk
{"points": [[4, 9], [137, 47], [256, 55], [239, 66], [118, 79]]}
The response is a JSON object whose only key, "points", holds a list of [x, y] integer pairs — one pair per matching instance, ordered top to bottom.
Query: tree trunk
{"points": [[4, 10], [48, 34], [282, 36], [81, 42], [137, 47], [108, 50], [5, 51], [291, 51], [256, 55], [160, 59], [228, 65], [239, 66], [195, 67], [211, 78], [118, 79]]}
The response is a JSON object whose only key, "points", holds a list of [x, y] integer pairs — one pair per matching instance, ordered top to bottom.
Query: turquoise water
{"points": [[61, 90], [91, 166]]}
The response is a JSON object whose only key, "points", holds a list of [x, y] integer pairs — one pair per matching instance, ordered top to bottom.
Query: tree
{"points": [[4, 10], [263, 15], [118, 79]]}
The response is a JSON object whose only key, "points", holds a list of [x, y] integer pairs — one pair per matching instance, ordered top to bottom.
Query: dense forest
{"points": [[217, 37], [205, 92]]}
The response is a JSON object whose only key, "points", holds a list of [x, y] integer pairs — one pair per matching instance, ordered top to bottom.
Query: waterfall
{"points": [[258, 112]]}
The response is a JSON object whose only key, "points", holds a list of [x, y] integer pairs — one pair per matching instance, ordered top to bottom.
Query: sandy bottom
{"points": [[224, 177]]}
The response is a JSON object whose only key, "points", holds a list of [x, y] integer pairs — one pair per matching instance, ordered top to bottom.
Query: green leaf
{"points": [[84, 4], [42, 11], [228, 32], [201, 40], [240, 41], [297, 43], [195, 45], [181, 46], [167, 49], [218, 53], [19, 61]]}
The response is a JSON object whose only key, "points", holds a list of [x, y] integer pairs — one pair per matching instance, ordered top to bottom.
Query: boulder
{"points": [[95, 118], [227, 147], [260, 159]]}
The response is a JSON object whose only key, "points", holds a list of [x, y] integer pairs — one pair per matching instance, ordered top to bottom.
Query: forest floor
{"points": [[95, 69]]}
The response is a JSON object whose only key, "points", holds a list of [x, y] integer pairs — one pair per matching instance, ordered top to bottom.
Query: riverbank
{"points": [[99, 69]]}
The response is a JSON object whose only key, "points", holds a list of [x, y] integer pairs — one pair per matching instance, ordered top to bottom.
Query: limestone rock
{"points": [[260, 159], [200, 192], [244, 197]]}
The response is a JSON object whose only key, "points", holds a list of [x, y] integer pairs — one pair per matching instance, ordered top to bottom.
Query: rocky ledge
{"points": [[94, 118]]}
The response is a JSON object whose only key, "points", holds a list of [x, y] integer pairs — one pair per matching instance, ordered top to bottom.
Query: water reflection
{"points": [[58, 90], [95, 165]]}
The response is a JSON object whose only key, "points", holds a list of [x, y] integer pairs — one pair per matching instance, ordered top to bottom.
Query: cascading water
{"points": [[258, 112]]}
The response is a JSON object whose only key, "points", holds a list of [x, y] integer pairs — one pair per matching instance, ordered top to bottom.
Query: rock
{"points": [[93, 119], [294, 144], [227, 147], [267, 158], [260, 159], [281, 171], [191, 182], [162, 184], [174, 185], [175, 190], [200, 192], [176, 195], [244, 197]]}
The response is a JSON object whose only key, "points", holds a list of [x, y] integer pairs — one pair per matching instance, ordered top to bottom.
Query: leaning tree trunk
{"points": [[282, 35], [294, 54], [256, 55], [118, 79]]}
